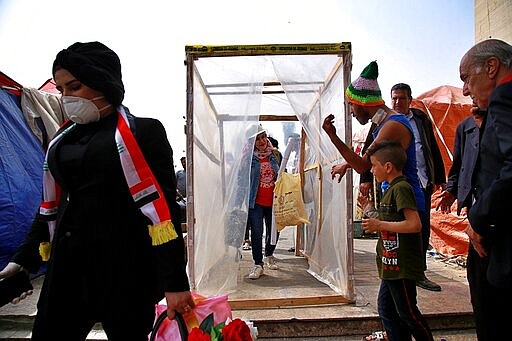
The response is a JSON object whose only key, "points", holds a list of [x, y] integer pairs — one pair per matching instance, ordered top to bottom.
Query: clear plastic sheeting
{"points": [[288, 95]]}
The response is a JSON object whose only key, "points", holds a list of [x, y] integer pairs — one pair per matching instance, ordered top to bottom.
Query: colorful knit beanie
{"points": [[365, 90]]}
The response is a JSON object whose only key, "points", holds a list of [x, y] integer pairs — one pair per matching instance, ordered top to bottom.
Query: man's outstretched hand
{"points": [[328, 125]]}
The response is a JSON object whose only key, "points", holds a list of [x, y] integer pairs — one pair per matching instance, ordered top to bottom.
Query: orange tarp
{"points": [[446, 107], [447, 234]]}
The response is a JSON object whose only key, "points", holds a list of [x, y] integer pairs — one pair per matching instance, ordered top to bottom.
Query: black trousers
{"points": [[425, 223], [71, 302], [491, 305], [74, 324]]}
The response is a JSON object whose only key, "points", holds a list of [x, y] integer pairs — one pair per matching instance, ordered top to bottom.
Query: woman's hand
{"points": [[182, 302]]}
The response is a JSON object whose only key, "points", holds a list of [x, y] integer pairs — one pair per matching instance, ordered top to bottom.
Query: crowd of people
{"points": [[480, 179], [109, 224]]}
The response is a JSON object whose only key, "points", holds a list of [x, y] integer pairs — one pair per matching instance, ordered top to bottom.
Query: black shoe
{"points": [[427, 284]]}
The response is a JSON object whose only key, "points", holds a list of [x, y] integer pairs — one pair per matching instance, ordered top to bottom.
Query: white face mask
{"points": [[81, 110]]}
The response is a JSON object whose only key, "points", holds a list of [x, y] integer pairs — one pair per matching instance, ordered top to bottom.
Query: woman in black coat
{"points": [[109, 222]]}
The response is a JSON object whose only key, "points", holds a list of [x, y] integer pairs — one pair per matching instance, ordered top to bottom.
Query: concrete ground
{"points": [[448, 312]]}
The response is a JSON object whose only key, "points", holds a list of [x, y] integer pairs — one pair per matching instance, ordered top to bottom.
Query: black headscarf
{"points": [[95, 65]]}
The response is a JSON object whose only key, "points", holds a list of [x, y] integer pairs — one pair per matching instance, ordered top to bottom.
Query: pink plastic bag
{"points": [[218, 305]]}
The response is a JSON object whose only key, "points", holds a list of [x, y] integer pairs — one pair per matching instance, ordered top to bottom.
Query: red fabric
{"points": [[508, 79], [10, 84], [49, 86], [143, 171], [265, 193], [237, 330], [197, 334]]}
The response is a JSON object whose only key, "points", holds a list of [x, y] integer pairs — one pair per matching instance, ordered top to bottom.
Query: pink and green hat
{"points": [[365, 89]]}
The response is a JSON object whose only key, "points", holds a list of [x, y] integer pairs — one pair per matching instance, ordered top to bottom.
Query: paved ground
{"points": [[448, 311]]}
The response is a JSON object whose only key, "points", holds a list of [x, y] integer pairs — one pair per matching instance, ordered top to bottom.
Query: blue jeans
{"points": [[256, 217], [399, 312]]}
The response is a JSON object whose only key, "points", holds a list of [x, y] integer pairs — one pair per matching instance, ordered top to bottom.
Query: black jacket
{"points": [[465, 153], [490, 215], [101, 252]]}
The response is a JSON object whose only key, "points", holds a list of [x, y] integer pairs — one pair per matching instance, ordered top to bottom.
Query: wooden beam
{"points": [[267, 49], [262, 118], [287, 302]]}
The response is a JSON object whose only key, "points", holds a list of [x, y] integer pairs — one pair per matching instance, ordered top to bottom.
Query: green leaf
{"points": [[207, 324], [216, 334]]}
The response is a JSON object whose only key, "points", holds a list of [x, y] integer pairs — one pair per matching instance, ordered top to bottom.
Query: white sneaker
{"points": [[270, 261], [256, 272]]}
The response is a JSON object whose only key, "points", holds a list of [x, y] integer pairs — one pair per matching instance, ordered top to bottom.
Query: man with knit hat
{"points": [[366, 104]]}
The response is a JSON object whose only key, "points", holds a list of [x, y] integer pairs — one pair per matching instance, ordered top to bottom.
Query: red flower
{"points": [[236, 330], [197, 334]]}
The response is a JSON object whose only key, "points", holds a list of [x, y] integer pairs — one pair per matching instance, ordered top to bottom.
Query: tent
{"points": [[289, 89], [446, 106], [25, 127], [21, 177]]}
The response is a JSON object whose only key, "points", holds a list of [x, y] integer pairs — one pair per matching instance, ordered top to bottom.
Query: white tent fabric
{"points": [[229, 95], [40, 104]]}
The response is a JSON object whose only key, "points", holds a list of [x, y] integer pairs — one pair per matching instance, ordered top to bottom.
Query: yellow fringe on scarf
{"points": [[162, 233], [44, 250]]}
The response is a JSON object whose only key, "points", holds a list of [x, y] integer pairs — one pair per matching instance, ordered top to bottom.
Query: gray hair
{"points": [[491, 48]]}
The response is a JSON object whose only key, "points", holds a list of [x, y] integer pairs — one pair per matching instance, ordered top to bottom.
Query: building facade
{"points": [[493, 19]]}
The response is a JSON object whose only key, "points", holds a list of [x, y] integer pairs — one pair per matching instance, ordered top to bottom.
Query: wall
{"points": [[493, 19]]}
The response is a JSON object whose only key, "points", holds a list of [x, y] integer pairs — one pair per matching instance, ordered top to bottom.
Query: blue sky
{"points": [[415, 42]]}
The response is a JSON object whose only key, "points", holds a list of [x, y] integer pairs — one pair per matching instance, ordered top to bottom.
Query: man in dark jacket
{"points": [[486, 70], [465, 153]]}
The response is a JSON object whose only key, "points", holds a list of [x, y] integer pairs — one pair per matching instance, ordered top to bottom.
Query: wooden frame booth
{"points": [[289, 89]]}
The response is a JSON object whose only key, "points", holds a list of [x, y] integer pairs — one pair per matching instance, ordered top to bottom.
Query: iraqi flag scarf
{"points": [[144, 187]]}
